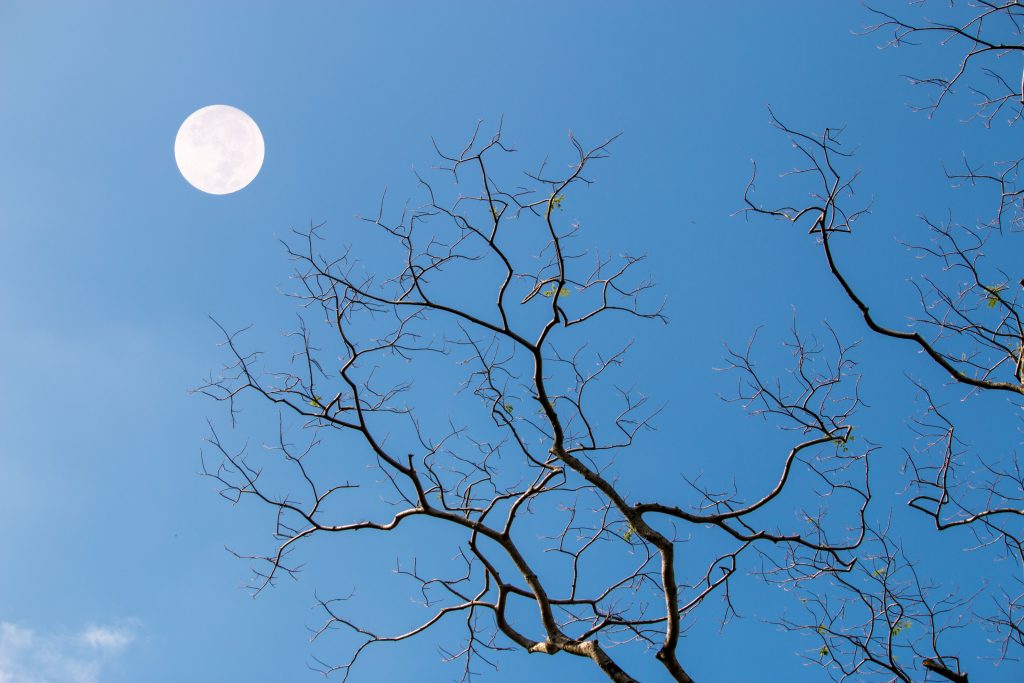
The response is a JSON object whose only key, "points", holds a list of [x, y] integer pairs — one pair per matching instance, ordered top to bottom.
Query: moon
{"points": [[219, 149]]}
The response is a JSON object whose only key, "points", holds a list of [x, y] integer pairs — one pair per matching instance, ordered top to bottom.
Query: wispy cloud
{"points": [[108, 639], [27, 656]]}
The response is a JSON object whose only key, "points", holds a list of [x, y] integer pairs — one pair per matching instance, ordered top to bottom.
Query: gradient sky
{"points": [[112, 550]]}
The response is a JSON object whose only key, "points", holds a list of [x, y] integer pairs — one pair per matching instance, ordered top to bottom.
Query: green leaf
{"points": [[556, 202], [555, 289], [992, 300], [317, 402], [508, 407], [629, 533], [900, 627], [823, 652]]}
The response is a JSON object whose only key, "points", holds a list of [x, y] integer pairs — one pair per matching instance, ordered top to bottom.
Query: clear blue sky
{"points": [[110, 264]]}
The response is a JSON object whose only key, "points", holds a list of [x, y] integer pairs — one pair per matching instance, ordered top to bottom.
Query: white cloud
{"points": [[108, 639], [30, 657]]}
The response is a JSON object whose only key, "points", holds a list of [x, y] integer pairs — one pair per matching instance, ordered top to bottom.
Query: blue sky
{"points": [[111, 263]]}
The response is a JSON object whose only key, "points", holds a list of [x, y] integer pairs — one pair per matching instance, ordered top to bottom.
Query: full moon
{"points": [[219, 149]]}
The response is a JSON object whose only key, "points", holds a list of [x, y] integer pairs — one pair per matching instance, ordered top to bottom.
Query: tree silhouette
{"points": [[495, 292], [969, 327], [549, 453]]}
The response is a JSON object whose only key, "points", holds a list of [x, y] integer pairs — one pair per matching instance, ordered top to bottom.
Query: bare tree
{"points": [[492, 293], [969, 328], [540, 444], [884, 619]]}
